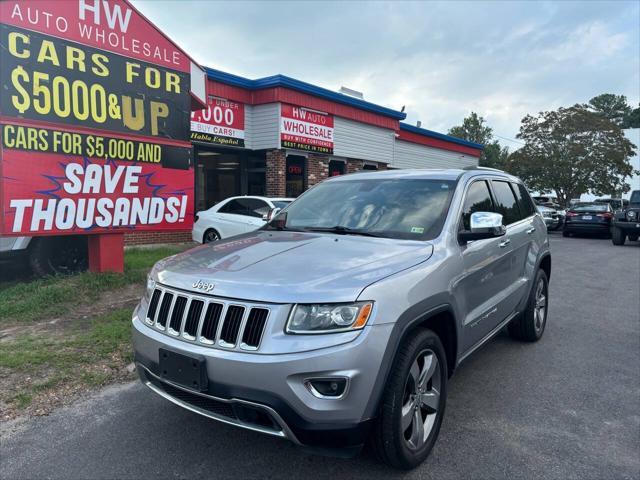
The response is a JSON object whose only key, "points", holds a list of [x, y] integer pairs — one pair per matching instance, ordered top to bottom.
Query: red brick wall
{"points": [[354, 165], [317, 168], [276, 180], [143, 238]]}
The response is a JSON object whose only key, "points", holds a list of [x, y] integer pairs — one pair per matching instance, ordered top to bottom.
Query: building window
{"points": [[370, 166], [337, 168], [223, 173], [296, 175], [256, 184]]}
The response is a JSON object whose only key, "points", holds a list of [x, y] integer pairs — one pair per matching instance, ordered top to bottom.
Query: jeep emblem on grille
{"points": [[205, 286]]}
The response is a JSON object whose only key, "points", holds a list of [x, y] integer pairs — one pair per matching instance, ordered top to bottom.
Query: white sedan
{"points": [[234, 216]]}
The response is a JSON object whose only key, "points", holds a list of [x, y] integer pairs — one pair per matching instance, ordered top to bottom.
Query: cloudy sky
{"points": [[442, 60]]}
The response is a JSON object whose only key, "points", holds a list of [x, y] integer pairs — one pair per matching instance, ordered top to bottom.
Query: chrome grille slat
{"points": [[154, 303], [166, 306], [177, 315], [192, 316], [210, 320], [218, 323], [231, 326]]}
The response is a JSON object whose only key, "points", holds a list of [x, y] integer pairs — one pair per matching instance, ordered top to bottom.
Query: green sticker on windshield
{"points": [[417, 229]]}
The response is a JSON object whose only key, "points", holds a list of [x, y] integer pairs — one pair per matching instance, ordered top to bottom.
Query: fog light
{"points": [[327, 387]]}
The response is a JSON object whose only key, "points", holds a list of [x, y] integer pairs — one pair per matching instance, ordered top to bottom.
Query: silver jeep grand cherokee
{"points": [[341, 320]]}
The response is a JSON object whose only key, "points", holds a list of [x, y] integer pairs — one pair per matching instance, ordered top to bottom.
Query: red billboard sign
{"points": [[95, 107], [221, 123], [304, 129]]}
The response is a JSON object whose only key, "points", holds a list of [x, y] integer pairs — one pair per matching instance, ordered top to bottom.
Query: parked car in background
{"points": [[546, 201], [616, 203], [552, 211], [234, 216], [588, 217], [552, 219], [626, 222]]}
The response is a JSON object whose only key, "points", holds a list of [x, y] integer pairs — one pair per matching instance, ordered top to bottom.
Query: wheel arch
{"points": [[211, 229], [545, 264], [441, 320]]}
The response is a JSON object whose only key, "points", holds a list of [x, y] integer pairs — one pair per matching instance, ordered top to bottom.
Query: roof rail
{"points": [[477, 167]]}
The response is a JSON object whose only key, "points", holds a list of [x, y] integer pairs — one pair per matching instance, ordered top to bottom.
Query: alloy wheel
{"points": [[211, 236], [540, 307], [421, 399]]}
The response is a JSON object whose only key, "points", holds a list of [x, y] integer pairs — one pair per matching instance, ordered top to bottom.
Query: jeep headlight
{"points": [[631, 214], [148, 291], [329, 318]]}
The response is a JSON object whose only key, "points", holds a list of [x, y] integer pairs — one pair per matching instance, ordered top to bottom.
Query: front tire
{"points": [[565, 233], [617, 236], [633, 238], [530, 325], [413, 402]]}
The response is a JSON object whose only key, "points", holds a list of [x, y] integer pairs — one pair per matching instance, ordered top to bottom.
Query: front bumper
{"points": [[628, 227], [273, 384]]}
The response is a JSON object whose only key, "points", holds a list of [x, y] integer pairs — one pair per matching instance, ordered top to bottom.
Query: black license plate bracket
{"points": [[189, 371]]}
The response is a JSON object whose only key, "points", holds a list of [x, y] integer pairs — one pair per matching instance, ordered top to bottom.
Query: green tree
{"points": [[614, 107], [632, 120], [475, 129], [572, 151]]}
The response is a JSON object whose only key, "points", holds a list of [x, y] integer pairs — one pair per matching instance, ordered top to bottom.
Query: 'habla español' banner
{"points": [[95, 106], [221, 123]]}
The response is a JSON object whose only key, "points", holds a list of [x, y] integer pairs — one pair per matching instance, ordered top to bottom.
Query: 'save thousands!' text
{"points": [[99, 199]]}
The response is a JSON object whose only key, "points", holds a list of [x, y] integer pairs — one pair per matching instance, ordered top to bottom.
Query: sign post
{"points": [[95, 107]]}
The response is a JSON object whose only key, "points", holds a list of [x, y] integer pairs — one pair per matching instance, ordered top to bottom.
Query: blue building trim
{"points": [[293, 84], [439, 136]]}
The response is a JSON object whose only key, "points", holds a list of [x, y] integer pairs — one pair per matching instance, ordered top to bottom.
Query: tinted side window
{"points": [[478, 199], [506, 203], [234, 206], [255, 207], [527, 208]]}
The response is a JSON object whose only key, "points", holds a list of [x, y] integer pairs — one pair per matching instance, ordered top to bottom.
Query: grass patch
{"points": [[46, 297], [82, 357]]}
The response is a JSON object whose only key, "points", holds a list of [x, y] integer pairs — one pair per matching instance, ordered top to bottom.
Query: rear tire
{"points": [[565, 233], [211, 235], [617, 236], [633, 238], [58, 255], [530, 325], [413, 402]]}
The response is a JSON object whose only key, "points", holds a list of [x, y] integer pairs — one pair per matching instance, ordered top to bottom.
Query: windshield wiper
{"points": [[339, 229]]}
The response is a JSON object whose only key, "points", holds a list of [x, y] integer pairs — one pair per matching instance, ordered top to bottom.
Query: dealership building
{"points": [[278, 136]]}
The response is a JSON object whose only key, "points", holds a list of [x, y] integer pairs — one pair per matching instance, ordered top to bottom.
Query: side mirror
{"points": [[267, 217], [483, 225]]}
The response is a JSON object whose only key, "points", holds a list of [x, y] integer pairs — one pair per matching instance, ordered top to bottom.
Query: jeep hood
{"points": [[291, 267]]}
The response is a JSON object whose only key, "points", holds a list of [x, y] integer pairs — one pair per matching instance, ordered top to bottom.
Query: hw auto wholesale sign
{"points": [[94, 119], [221, 123], [305, 129]]}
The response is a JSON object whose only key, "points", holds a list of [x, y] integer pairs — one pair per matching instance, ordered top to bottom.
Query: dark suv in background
{"points": [[626, 222]]}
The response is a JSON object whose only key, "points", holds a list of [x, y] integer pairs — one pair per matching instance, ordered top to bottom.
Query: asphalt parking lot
{"points": [[566, 407]]}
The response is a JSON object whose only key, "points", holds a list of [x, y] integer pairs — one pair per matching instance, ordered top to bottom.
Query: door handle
{"points": [[531, 230], [505, 243]]}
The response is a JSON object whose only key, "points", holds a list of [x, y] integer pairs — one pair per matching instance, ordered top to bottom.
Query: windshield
{"points": [[635, 197], [280, 203], [591, 207], [393, 208]]}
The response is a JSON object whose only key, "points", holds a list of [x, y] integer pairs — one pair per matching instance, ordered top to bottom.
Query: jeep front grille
{"points": [[206, 320]]}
